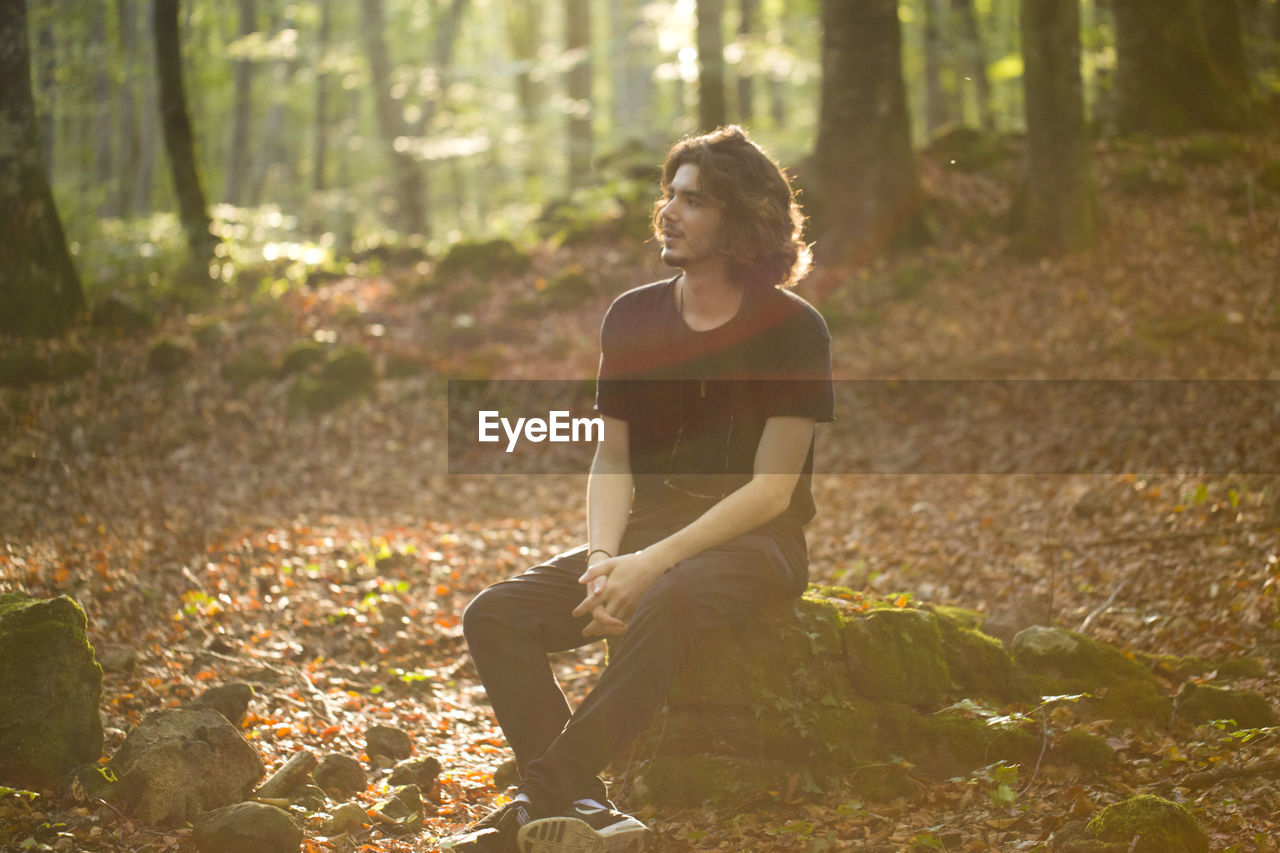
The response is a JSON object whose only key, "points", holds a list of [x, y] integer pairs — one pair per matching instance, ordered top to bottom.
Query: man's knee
{"points": [[488, 608]]}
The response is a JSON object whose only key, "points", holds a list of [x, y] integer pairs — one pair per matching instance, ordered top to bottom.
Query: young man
{"points": [[710, 384]]}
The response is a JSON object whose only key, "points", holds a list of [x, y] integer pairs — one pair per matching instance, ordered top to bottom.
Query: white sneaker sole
{"points": [[571, 835]]}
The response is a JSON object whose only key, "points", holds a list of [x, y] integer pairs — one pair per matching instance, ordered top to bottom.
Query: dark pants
{"points": [[512, 625]]}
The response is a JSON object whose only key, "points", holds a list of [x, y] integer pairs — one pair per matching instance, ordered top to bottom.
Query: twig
{"points": [[1102, 608], [1044, 746], [1209, 778]]}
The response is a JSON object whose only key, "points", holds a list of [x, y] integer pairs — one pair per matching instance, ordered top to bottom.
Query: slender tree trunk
{"points": [[748, 25], [523, 38], [100, 54], [975, 61], [1166, 80], [578, 83], [779, 87], [935, 101], [241, 111], [712, 111], [320, 134], [178, 139], [147, 145], [272, 151], [127, 169], [410, 182], [866, 184], [1060, 207], [39, 287]]}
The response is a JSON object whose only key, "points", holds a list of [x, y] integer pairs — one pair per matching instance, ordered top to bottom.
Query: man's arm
{"points": [[779, 458], [610, 488]]}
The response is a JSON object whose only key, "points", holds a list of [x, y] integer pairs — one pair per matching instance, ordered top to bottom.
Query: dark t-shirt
{"points": [[696, 402]]}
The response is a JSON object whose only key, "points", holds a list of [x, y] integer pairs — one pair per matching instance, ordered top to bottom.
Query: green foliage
{"points": [[1210, 149], [1149, 179], [483, 259], [301, 355], [248, 366]]}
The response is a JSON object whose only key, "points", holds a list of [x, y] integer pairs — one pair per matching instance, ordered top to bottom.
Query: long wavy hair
{"points": [[761, 227]]}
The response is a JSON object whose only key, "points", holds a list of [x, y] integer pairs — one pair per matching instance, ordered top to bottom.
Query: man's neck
{"points": [[707, 298]]}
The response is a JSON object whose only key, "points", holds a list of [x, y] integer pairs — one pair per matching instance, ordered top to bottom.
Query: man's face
{"points": [[689, 222]]}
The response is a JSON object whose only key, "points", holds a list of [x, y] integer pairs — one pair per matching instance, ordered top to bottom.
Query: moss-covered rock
{"points": [[482, 259], [570, 286], [121, 314], [168, 355], [301, 355], [69, 362], [22, 366], [248, 366], [350, 366], [345, 375], [896, 654], [1054, 661], [978, 663], [50, 689], [1203, 703], [1083, 749], [715, 779], [1162, 826], [247, 828]]}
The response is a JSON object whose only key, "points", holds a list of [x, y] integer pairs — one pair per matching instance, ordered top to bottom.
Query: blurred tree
{"points": [[748, 24], [1225, 39], [125, 61], [975, 61], [1167, 78], [46, 79], [578, 85], [936, 106], [242, 108], [712, 111], [103, 113], [320, 133], [179, 141], [409, 180], [865, 191], [1060, 211], [39, 286]]}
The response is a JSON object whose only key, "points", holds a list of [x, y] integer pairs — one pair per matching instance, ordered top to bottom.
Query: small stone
{"points": [[229, 700], [387, 741], [416, 771], [340, 774], [507, 775], [309, 797], [402, 805], [347, 817], [247, 828]]}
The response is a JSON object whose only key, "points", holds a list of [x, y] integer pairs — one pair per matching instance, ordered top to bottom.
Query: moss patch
{"points": [[482, 259], [168, 355], [896, 654], [977, 662], [50, 690], [1202, 703], [1083, 750], [714, 779], [1164, 826]]}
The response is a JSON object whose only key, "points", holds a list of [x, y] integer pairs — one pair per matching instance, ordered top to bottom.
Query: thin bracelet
{"points": [[598, 551]]}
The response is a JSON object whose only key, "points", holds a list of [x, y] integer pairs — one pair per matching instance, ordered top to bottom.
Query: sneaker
{"points": [[584, 829], [493, 833]]}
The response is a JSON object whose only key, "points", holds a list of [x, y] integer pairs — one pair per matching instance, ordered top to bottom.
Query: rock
{"points": [[118, 313], [167, 355], [898, 652], [117, 659], [1055, 661], [50, 689], [229, 700], [1203, 703], [387, 741], [180, 762], [416, 771], [340, 774], [507, 775], [288, 776], [85, 783], [309, 797], [402, 806], [347, 817], [1162, 827], [247, 828]]}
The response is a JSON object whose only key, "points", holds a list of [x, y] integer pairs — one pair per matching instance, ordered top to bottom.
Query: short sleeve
{"points": [[801, 384], [612, 391]]}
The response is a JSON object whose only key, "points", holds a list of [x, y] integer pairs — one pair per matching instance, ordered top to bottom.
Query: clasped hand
{"points": [[614, 588]]}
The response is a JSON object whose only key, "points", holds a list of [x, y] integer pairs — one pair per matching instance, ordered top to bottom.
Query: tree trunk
{"points": [[748, 25], [1223, 35], [523, 38], [100, 56], [976, 61], [47, 71], [1166, 80], [578, 84], [779, 85], [711, 101], [935, 101], [241, 111], [320, 135], [179, 142], [272, 150], [127, 169], [145, 182], [410, 183], [866, 184], [1060, 207], [39, 287]]}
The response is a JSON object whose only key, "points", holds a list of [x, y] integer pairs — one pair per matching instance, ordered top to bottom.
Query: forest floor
{"points": [[218, 535]]}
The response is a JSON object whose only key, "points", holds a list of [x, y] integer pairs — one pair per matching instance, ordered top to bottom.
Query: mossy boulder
{"points": [[483, 259], [121, 314], [168, 355], [301, 355], [23, 366], [248, 366], [345, 375], [897, 652], [1055, 661], [978, 663], [50, 690], [1203, 703], [1159, 825], [247, 828]]}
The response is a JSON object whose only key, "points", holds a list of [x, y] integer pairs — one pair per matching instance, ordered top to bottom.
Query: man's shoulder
{"points": [[638, 302], [792, 311]]}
